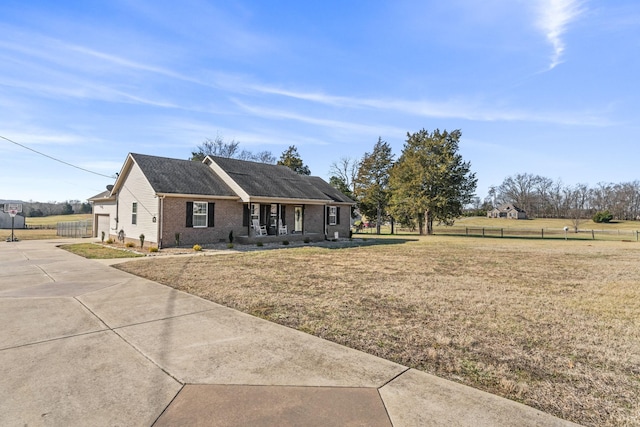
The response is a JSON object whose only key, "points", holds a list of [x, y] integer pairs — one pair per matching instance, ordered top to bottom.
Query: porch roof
{"points": [[266, 181]]}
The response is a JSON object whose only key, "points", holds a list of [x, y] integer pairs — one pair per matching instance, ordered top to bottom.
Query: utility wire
{"points": [[53, 158]]}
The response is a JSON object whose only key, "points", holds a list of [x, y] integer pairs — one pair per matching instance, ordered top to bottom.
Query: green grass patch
{"points": [[93, 251]]}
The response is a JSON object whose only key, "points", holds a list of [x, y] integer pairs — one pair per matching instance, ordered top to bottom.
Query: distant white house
{"points": [[507, 210]]}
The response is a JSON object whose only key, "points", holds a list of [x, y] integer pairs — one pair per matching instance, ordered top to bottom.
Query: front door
{"points": [[297, 219]]}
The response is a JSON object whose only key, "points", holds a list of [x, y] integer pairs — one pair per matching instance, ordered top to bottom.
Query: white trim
{"points": [[200, 196], [244, 196], [334, 210], [134, 213], [206, 214]]}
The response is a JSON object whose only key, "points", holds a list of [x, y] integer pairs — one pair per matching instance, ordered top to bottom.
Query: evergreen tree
{"points": [[291, 159], [430, 181], [372, 182]]}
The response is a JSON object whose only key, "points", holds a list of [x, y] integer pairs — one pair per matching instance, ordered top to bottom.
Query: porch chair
{"points": [[282, 229], [259, 230]]}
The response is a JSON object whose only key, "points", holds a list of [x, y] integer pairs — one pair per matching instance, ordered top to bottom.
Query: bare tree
{"points": [[217, 147], [346, 171], [543, 187], [521, 191], [577, 201]]}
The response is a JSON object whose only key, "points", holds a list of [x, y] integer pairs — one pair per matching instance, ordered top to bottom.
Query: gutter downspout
{"points": [[117, 211], [160, 222]]}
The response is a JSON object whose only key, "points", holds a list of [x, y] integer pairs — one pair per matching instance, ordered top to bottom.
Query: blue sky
{"points": [[548, 87]]}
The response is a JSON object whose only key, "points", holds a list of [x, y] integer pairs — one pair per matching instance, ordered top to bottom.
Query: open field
{"points": [[51, 221], [40, 228], [547, 228], [552, 324]]}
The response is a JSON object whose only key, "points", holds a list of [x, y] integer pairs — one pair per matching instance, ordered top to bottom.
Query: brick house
{"points": [[202, 202]]}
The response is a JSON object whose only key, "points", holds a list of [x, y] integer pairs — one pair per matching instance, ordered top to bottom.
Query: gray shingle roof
{"points": [[175, 176], [265, 180], [329, 190], [105, 194]]}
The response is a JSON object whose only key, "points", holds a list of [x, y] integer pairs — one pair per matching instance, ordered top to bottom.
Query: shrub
{"points": [[601, 217], [177, 236], [102, 237], [231, 237], [307, 240], [109, 241], [141, 241], [285, 242], [129, 244], [260, 244], [230, 245], [197, 247], [153, 249]]}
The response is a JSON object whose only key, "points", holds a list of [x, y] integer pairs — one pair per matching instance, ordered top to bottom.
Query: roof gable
{"points": [[175, 176]]}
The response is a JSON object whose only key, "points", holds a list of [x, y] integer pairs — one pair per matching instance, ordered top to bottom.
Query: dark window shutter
{"points": [[189, 214], [210, 214], [282, 214], [245, 215], [338, 215], [327, 216]]}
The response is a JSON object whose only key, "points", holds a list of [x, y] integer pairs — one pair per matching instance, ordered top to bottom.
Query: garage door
{"points": [[103, 225]]}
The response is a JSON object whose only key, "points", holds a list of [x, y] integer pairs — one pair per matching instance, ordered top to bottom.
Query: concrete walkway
{"points": [[82, 343]]}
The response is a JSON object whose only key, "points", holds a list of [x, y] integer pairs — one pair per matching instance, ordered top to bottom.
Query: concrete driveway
{"points": [[84, 344]]}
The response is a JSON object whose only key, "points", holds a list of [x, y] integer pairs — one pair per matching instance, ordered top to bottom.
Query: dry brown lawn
{"points": [[28, 234], [552, 324]]}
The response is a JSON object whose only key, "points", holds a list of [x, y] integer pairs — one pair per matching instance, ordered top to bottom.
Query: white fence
{"points": [[75, 229]]}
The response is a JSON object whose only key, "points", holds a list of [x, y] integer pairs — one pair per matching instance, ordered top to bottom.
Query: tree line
{"points": [[543, 197], [39, 209]]}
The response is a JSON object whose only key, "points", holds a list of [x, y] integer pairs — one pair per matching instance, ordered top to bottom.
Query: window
{"points": [[255, 211], [134, 213], [199, 214], [333, 214], [274, 216]]}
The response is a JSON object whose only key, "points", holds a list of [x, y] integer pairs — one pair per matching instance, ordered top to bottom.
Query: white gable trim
{"points": [[244, 196]]}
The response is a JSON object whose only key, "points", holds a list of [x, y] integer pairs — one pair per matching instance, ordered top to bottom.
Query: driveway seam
{"points": [[114, 330], [55, 339], [147, 357], [169, 404]]}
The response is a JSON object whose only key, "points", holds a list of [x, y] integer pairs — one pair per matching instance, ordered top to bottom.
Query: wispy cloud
{"points": [[554, 16], [465, 109], [335, 125]]}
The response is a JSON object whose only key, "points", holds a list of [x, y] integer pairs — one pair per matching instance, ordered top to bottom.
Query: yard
{"points": [[552, 324]]}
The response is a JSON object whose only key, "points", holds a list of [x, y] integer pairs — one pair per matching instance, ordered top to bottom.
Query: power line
{"points": [[53, 158]]}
